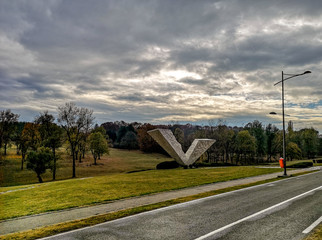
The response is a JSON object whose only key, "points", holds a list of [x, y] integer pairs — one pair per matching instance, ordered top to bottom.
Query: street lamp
{"points": [[282, 81]]}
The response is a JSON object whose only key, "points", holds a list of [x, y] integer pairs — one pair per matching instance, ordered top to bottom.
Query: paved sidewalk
{"points": [[50, 218]]}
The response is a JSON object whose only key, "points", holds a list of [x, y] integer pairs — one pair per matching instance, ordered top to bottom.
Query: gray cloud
{"points": [[161, 60]]}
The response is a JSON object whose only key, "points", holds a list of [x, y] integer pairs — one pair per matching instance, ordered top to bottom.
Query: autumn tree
{"points": [[74, 121], [51, 135], [30, 139], [146, 142], [98, 145], [39, 161]]}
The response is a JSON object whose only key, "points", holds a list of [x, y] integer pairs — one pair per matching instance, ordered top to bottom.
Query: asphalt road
{"points": [[279, 210]]}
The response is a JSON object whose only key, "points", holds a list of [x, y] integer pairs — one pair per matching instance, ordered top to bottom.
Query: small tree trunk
{"points": [[5, 149], [17, 149], [95, 157], [22, 160], [74, 165], [54, 167], [39, 178]]}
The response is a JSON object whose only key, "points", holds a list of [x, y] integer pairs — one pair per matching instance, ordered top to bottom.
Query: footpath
{"points": [[50, 218]]}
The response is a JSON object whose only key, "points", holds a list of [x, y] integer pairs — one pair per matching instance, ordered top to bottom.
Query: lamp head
{"points": [[306, 72], [273, 113]]}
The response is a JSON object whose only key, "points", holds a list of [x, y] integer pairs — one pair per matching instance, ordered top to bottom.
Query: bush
{"points": [[221, 164], [168, 165], [301, 165]]}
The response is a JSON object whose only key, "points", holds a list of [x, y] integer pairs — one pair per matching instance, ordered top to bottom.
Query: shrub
{"points": [[220, 164], [168, 165], [301, 165]]}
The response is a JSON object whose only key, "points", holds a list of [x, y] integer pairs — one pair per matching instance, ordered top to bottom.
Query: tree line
{"points": [[38, 141], [254, 143]]}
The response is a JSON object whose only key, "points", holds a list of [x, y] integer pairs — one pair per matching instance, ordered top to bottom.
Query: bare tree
{"points": [[75, 122]]}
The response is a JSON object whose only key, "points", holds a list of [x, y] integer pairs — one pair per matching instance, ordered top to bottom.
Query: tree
{"points": [[74, 121], [7, 127], [256, 129], [270, 131], [121, 133], [50, 134], [31, 135], [179, 135], [16, 136], [30, 138], [129, 141], [145, 141], [224, 141], [310, 142], [246, 144], [98, 145], [293, 151], [40, 161]]}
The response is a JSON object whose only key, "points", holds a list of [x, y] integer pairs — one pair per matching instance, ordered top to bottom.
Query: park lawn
{"points": [[118, 161], [50, 196]]}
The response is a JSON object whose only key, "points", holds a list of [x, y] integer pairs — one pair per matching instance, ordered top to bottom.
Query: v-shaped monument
{"points": [[166, 139]]}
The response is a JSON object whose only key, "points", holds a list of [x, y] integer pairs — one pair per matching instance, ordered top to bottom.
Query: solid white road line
{"points": [[256, 214], [313, 225]]}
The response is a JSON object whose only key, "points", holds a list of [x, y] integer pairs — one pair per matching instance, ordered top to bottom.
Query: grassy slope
{"points": [[118, 161], [50, 196]]}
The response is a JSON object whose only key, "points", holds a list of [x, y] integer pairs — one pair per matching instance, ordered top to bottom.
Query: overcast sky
{"points": [[163, 61]]}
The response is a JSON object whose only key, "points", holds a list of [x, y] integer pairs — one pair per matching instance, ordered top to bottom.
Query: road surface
{"points": [[278, 210]]}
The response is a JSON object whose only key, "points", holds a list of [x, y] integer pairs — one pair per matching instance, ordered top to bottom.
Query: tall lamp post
{"points": [[289, 76]]}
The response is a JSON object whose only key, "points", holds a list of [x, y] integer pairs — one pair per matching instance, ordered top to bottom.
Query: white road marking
{"points": [[256, 214], [313, 225]]}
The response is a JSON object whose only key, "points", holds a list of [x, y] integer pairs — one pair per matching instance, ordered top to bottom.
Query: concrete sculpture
{"points": [[166, 139]]}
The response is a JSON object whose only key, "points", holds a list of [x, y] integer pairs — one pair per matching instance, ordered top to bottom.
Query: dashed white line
{"points": [[256, 214], [313, 225]]}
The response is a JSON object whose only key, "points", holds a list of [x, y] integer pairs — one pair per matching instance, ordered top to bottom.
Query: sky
{"points": [[163, 61]]}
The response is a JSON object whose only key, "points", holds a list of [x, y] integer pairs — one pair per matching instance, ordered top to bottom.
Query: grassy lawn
{"points": [[119, 161], [38, 198], [67, 226]]}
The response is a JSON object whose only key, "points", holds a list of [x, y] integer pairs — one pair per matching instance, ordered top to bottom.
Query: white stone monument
{"points": [[166, 139]]}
